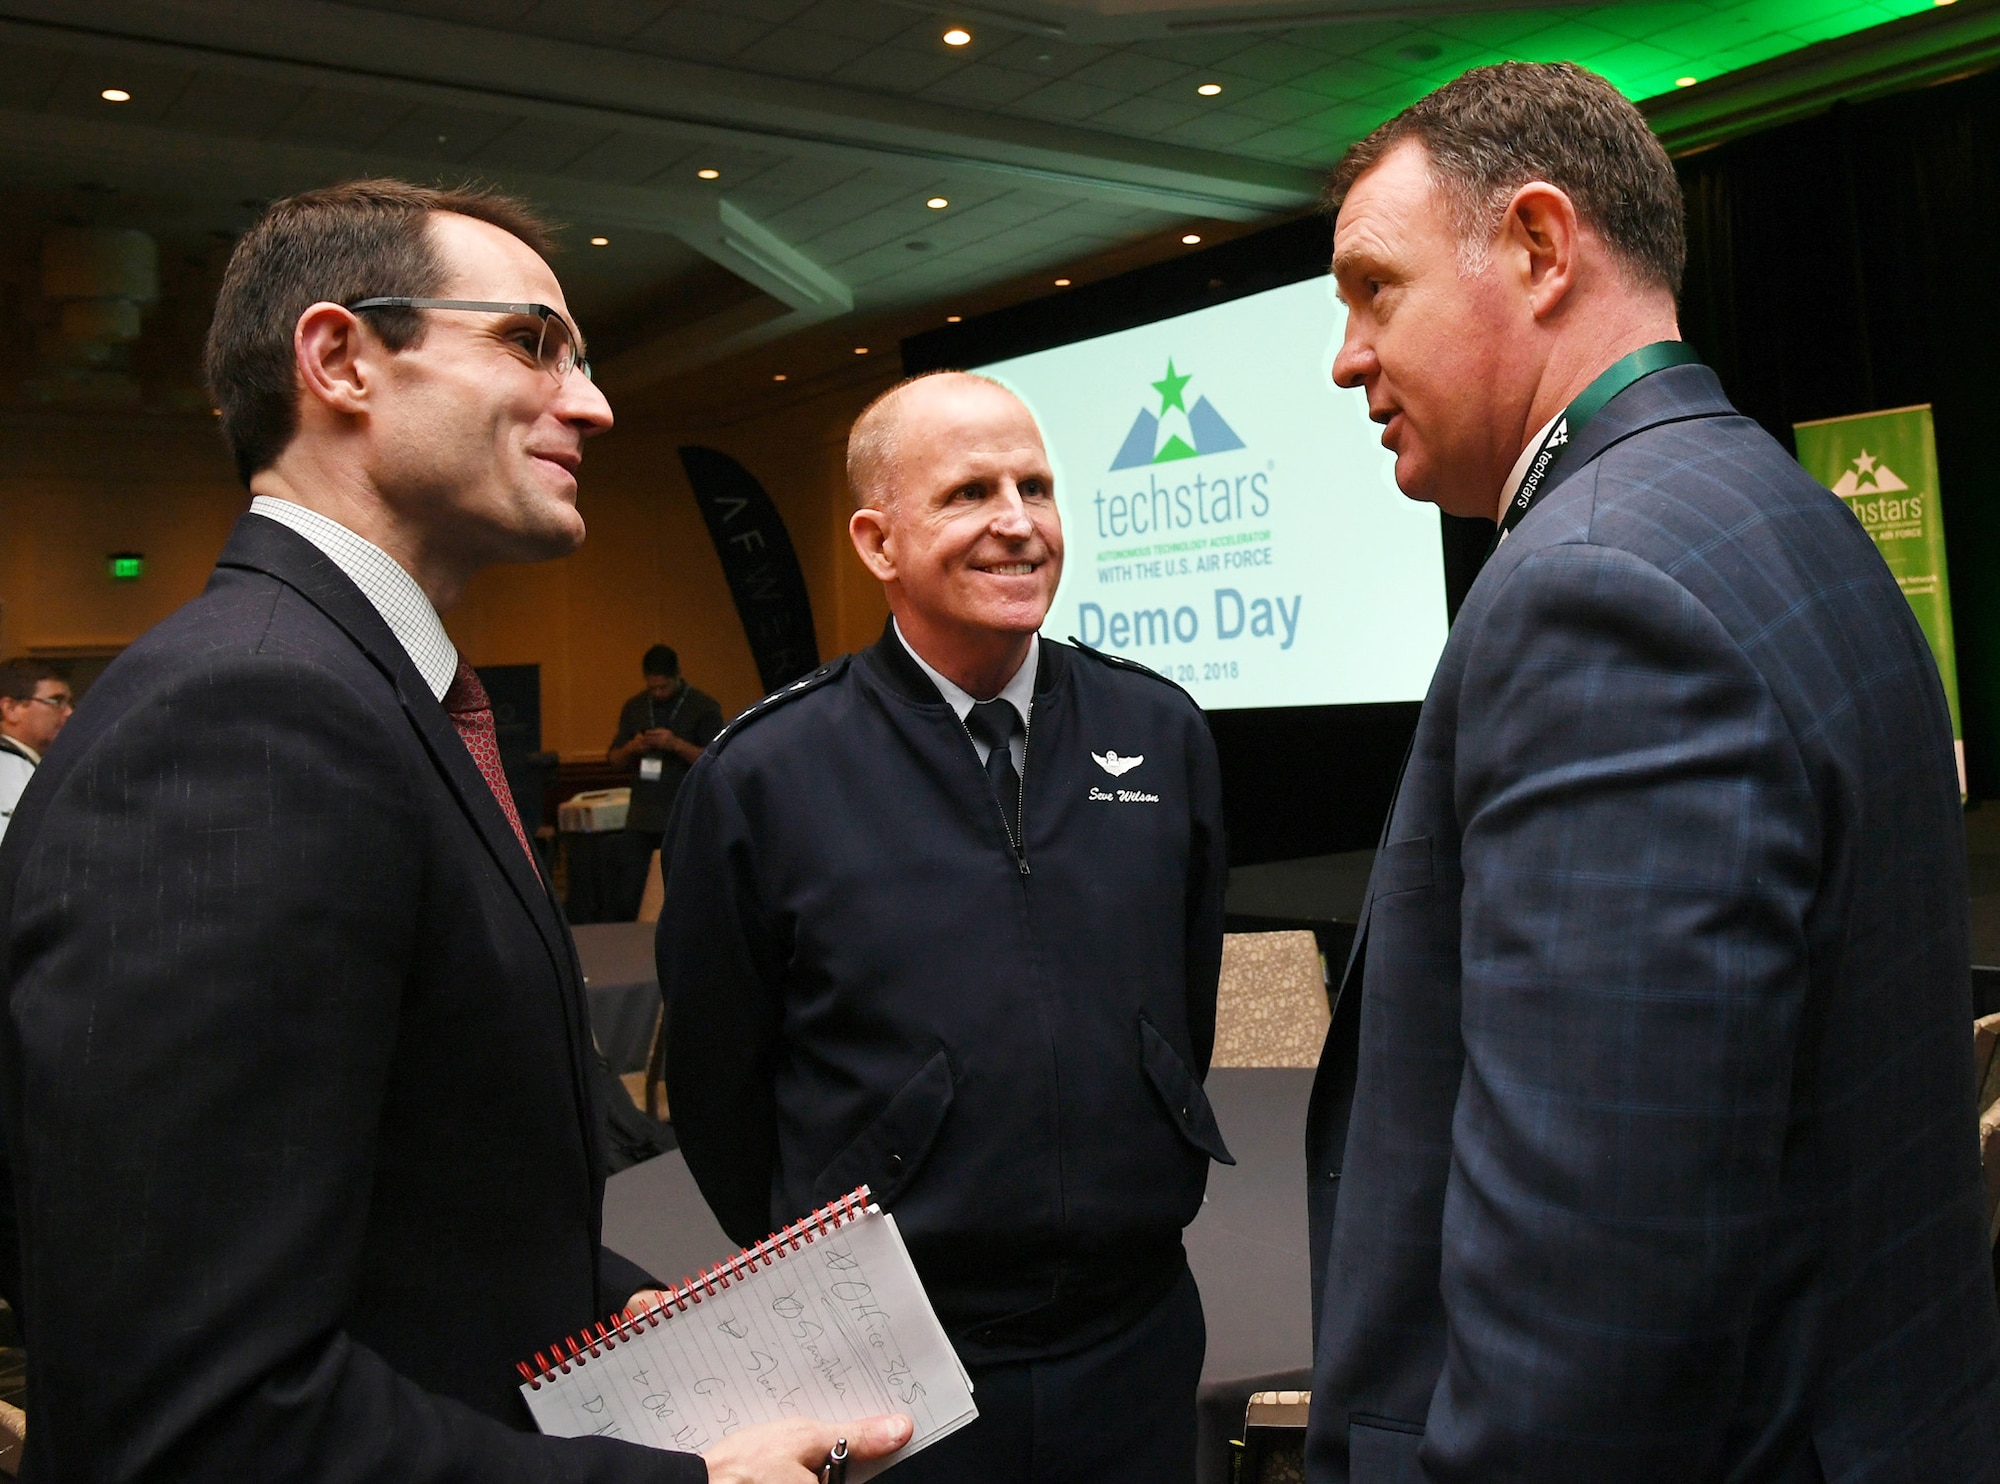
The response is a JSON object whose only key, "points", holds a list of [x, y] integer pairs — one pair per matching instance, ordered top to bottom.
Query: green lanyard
{"points": [[1569, 426]]}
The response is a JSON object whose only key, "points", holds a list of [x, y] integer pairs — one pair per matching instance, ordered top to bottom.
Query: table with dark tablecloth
{"points": [[622, 987], [1247, 1247]]}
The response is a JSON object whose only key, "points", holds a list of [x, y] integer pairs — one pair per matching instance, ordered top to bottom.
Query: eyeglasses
{"points": [[558, 348], [59, 703]]}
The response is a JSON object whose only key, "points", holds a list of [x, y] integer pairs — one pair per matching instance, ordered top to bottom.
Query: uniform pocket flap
{"points": [[1186, 1103], [885, 1155]]}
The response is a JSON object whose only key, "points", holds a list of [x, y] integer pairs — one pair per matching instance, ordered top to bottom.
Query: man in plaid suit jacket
{"points": [[1643, 1146]]}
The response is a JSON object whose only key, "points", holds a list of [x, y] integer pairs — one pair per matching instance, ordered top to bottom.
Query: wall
{"points": [[76, 487]]}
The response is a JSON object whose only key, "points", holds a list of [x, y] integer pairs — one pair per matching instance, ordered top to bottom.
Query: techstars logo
{"points": [[1176, 431]]}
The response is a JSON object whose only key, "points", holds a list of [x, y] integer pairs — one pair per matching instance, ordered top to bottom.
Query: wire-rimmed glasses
{"points": [[558, 350]]}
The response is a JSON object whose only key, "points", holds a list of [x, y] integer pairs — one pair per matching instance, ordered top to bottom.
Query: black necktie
{"points": [[994, 723]]}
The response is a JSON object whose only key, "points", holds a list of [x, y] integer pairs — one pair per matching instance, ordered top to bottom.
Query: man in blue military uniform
{"points": [[915, 936]]}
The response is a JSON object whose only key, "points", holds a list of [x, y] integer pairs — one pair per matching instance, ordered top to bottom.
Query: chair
{"points": [[654, 897], [1271, 1006], [1274, 1438]]}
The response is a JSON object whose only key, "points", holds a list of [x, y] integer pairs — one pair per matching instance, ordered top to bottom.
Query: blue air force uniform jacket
{"points": [[866, 981]]}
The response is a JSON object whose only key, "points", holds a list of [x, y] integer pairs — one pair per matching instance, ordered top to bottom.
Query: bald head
{"points": [[901, 419], [955, 515]]}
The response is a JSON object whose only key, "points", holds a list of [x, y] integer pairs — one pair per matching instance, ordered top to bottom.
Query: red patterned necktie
{"points": [[471, 711]]}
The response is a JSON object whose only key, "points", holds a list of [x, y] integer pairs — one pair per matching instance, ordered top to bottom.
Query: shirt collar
{"points": [[1520, 469], [389, 589], [1018, 692], [15, 744]]}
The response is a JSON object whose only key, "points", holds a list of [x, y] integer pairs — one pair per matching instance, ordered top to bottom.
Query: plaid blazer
{"points": [[1643, 1144]]}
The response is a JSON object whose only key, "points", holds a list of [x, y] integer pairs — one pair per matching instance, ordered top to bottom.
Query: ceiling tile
{"points": [[777, 11], [470, 12], [864, 20], [599, 22], [702, 33], [797, 53], [1044, 56], [1272, 61], [899, 69], [1132, 72], [29, 76], [982, 87], [154, 89], [1072, 101], [232, 105], [1278, 105], [325, 117], [1145, 117], [1216, 130], [447, 134], [541, 145], [1305, 146], [626, 159]]}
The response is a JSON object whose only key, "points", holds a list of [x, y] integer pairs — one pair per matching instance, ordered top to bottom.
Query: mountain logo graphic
{"points": [[1176, 431], [1869, 476]]}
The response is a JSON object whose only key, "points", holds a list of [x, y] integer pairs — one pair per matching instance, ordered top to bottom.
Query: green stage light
{"points": [[1644, 48]]}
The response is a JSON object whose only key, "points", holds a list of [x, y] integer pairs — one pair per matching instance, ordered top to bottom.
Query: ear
{"points": [[1540, 235], [337, 359], [873, 536]]}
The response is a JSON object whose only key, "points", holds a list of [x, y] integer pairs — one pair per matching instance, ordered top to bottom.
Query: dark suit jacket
{"points": [[294, 1078], [1661, 1162]]}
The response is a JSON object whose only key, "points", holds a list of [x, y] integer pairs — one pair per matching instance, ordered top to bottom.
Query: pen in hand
{"points": [[834, 1470]]}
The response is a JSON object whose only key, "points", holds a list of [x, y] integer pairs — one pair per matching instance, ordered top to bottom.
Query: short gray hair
{"points": [[1491, 131], [876, 441]]}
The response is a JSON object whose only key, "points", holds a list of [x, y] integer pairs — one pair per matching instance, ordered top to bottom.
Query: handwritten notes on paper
{"points": [[830, 1324]]}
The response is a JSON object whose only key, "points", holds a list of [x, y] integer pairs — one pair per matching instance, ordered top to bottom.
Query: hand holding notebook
{"points": [[821, 1323], [765, 1452]]}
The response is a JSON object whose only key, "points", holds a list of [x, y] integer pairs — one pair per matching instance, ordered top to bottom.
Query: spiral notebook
{"points": [[825, 1319]]}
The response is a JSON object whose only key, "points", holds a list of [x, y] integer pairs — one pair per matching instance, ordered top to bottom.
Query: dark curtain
{"points": [[1852, 262]]}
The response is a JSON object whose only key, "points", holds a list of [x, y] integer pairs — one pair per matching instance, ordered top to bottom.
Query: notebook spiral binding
{"points": [[589, 1344]]}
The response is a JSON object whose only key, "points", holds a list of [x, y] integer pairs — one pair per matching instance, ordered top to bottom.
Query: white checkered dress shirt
{"points": [[383, 582]]}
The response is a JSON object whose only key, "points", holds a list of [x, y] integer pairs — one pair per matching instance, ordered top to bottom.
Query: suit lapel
{"points": [[1677, 394], [266, 546]]}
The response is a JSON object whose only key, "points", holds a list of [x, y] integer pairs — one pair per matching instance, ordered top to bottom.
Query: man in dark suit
{"points": [[1643, 1145], [305, 1152]]}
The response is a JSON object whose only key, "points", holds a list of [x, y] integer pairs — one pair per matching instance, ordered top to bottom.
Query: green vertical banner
{"points": [[1884, 465]]}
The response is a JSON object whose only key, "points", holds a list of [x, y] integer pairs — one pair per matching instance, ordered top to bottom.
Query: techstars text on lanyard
{"points": [[1567, 428]]}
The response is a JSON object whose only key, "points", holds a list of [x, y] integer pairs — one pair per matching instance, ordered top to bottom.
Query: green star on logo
{"points": [[1170, 389]]}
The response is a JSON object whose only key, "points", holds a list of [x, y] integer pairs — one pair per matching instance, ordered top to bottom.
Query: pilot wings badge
{"points": [[1112, 763]]}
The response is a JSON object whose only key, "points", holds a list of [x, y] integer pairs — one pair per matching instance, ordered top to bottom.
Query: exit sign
{"points": [[126, 566]]}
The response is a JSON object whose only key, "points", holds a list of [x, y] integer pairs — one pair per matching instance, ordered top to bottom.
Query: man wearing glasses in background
{"points": [[34, 704], [295, 1052]]}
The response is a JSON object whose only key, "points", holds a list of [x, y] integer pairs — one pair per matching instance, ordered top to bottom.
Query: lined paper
{"points": [[836, 1327]]}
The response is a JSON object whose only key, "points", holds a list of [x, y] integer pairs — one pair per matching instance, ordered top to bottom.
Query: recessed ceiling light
{"points": [[957, 36], [1685, 82], [1209, 89], [115, 95], [709, 174], [937, 203], [1190, 238], [600, 242], [1062, 283], [952, 319], [861, 350], [779, 377]]}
